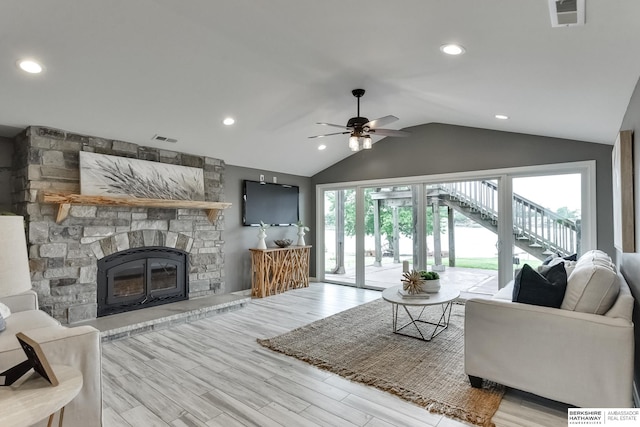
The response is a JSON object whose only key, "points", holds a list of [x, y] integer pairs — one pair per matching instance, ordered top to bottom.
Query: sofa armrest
{"points": [[21, 302], [577, 358]]}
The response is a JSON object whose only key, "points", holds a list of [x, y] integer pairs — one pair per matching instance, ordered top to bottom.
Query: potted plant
{"points": [[431, 281]]}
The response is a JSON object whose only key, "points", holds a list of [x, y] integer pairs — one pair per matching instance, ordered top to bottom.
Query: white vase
{"points": [[300, 237], [261, 242], [431, 286]]}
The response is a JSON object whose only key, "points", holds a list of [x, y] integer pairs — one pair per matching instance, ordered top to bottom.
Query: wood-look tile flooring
{"points": [[212, 372]]}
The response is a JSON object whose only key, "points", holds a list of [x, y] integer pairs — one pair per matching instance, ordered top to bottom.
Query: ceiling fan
{"points": [[362, 128]]}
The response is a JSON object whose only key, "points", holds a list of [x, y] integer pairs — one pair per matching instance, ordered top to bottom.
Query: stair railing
{"points": [[531, 221]]}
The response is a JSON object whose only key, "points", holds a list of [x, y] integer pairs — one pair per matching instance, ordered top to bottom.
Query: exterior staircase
{"points": [[537, 230]]}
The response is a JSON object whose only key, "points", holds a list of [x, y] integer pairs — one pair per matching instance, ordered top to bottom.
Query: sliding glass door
{"points": [[546, 222], [390, 226], [473, 229], [463, 234], [339, 236]]}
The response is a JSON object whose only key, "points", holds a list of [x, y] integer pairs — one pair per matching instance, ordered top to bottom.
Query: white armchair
{"points": [[78, 347]]}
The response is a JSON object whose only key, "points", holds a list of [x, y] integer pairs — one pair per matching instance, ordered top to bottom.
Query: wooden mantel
{"points": [[64, 202]]}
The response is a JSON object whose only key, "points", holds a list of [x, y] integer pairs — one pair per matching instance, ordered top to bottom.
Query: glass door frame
{"points": [[587, 170]]}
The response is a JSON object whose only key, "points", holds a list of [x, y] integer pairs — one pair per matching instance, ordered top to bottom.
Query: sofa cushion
{"points": [[597, 257], [569, 265], [531, 287], [592, 288], [505, 293], [23, 321]]}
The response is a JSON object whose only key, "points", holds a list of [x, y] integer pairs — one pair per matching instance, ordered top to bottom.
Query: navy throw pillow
{"points": [[531, 287]]}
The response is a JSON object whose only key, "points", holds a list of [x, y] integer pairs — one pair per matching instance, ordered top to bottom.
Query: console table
{"points": [[276, 270]]}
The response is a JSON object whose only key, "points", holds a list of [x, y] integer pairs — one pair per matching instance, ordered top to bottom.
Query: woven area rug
{"points": [[359, 344]]}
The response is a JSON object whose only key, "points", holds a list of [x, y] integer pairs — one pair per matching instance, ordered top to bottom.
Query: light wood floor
{"points": [[212, 372]]}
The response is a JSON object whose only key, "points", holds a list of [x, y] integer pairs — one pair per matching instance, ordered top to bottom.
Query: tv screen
{"points": [[274, 204]]}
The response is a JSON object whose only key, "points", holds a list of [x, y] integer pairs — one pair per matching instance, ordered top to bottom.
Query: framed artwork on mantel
{"points": [[104, 175], [623, 196]]}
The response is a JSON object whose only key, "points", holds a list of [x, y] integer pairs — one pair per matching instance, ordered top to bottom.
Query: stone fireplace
{"points": [[65, 257]]}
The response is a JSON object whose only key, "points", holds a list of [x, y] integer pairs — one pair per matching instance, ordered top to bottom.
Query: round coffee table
{"points": [[444, 298]]}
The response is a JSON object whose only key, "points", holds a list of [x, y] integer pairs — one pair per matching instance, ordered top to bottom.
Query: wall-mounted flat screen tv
{"points": [[274, 204]]}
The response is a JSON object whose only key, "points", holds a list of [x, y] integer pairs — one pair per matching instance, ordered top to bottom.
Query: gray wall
{"points": [[631, 121], [439, 148], [6, 154], [238, 238]]}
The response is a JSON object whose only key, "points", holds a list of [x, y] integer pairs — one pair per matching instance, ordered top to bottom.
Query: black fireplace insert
{"points": [[141, 277]]}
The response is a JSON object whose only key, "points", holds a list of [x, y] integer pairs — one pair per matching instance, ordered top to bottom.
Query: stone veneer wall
{"points": [[63, 256]]}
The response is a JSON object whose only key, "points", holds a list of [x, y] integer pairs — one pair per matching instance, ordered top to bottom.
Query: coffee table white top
{"points": [[444, 296], [29, 401]]}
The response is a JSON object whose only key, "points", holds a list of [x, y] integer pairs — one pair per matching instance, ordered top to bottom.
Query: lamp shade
{"points": [[354, 144], [15, 276]]}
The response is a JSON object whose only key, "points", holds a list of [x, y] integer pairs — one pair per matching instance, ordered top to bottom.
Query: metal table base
{"points": [[440, 326]]}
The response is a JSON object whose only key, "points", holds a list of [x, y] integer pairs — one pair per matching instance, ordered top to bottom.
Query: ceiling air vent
{"points": [[566, 13], [163, 138]]}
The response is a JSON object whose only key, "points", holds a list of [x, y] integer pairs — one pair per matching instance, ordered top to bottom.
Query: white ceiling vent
{"points": [[566, 13], [163, 138]]}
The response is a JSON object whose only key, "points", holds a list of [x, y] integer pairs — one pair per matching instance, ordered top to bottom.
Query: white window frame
{"points": [[587, 169]]}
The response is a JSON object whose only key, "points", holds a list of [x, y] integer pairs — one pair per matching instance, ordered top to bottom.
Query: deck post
{"points": [[452, 237]]}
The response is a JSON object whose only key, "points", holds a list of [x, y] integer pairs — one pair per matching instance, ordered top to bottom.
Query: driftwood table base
{"points": [[276, 270]]}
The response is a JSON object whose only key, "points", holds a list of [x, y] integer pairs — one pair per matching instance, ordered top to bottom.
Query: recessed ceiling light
{"points": [[452, 49], [30, 66], [501, 117], [229, 121], [322, 147]]}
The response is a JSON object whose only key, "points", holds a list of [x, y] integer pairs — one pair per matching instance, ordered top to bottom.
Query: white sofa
{"points": [[78, 347], [578, 358]]}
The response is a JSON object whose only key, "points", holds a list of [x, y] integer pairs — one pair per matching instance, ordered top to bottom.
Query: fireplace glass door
{"points": [[136, 278]]}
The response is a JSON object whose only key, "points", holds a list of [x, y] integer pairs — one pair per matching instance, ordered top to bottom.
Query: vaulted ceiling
{"points": [[129, 70]]}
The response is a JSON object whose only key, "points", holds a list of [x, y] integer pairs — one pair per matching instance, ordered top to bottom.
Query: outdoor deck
{"points": [[471, 282]]}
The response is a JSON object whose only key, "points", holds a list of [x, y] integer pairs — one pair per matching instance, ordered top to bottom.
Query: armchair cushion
{"points": [[531, 287], [21, 302]]}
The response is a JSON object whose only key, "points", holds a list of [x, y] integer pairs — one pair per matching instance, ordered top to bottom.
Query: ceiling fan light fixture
{"points": [[452, 49], [366, 142], [354, 144]]}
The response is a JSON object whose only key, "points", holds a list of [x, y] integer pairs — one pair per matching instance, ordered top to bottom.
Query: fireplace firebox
{"points": [[141, 277]]}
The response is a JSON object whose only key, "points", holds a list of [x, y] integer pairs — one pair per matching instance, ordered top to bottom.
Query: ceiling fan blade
{"points": [[381, 121], [335, 126], [388, 132], [330, 134]]}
